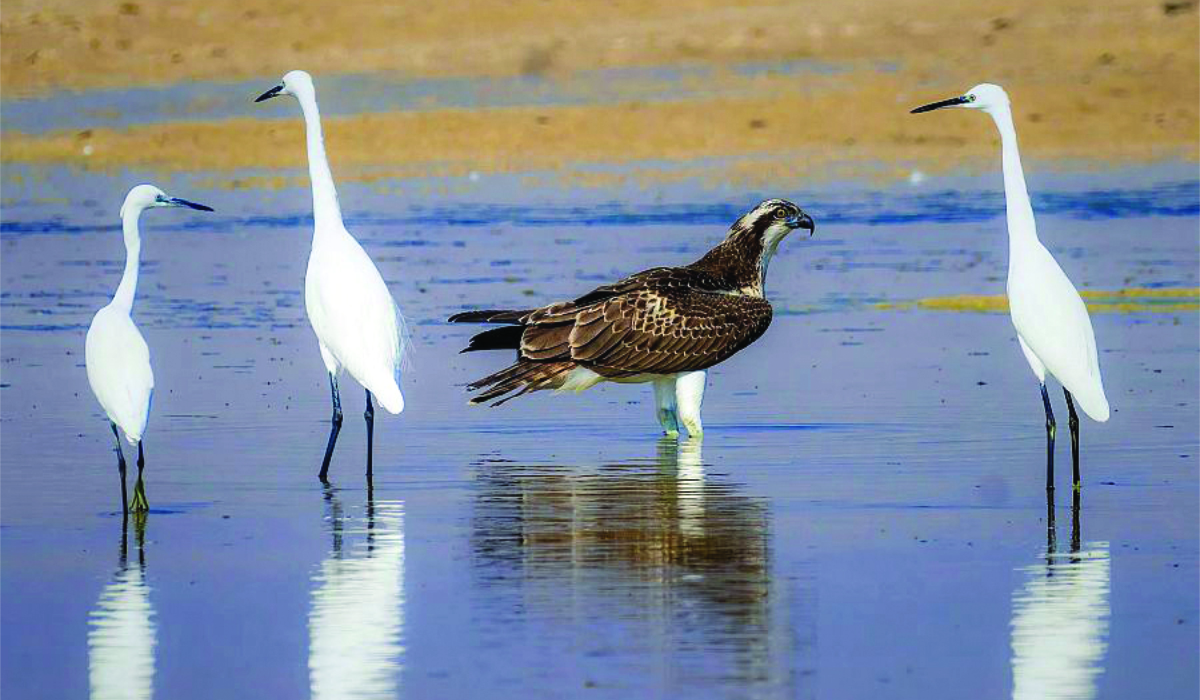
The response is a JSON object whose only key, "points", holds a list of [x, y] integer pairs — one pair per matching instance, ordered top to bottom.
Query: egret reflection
{"points": [[679, 562], [1060, 618], [356, 623], [122, 634]]}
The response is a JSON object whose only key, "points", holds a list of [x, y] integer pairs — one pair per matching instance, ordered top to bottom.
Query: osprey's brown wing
{"points": [[657, 324]]}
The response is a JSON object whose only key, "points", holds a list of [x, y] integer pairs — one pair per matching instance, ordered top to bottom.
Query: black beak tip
{"points": [[273, 92], [938, 105], [191, 205], [804, 221]]}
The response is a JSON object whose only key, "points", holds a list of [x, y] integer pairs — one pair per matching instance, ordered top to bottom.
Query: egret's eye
{"points": [[970, 98], [159, 198], [781, 213]]}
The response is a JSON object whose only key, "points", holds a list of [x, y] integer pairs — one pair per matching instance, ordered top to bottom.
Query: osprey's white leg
{"points": [[689, 395], [664, 406]]}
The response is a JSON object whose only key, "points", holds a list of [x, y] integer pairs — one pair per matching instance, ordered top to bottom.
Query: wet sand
{"points": [[1124, 89], [866, 514]]}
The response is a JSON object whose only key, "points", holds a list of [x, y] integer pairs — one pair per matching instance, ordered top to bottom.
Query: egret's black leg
{"points": [[369, 414], [1073, 422], [1051, 429], [334, 430], [121, 470], [140, 504]]}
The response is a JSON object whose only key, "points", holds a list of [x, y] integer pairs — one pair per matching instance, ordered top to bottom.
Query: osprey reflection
{"points": [[654, 560], [1060, 618]]}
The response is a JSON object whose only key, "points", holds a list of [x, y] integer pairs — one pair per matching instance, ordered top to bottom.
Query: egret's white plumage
{"points": [[1052, 322], [358, 326], [115, 353], [118, 368]]}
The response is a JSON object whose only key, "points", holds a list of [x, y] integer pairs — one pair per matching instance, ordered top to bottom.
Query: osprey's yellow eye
{"points": [[781, 213]]}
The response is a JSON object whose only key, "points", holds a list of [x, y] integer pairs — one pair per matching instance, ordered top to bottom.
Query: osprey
{"points": [[666, 325]]}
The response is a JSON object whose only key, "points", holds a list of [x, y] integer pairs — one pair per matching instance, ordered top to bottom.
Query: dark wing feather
{"points": [[660, 321], [667, 329]]}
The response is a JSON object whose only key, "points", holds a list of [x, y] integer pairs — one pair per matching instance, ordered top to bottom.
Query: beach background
{"points": [[817, 89], [866, 514]]}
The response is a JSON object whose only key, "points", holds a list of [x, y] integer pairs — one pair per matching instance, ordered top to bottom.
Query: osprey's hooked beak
{"points": [[273, 92], [953, 101], [177, 202], [803, 221]]}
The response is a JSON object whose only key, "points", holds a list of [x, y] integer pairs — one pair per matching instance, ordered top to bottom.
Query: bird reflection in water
{"points": [[649, 559], [1060, 617], [356, 623], [121, 630]]}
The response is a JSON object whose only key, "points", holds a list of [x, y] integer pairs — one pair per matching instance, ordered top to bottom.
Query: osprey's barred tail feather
{"points": [[490, 316], [521, 378]]}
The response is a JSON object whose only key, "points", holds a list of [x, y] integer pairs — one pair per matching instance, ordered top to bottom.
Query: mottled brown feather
{"points": [[661, 321]]}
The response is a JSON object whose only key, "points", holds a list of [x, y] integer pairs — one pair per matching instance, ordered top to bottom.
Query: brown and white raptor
{"points": [[666, 325]]}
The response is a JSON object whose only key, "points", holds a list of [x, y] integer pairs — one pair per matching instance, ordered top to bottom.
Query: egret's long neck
{"points": [[325, 202], [1021, 227], [133, 252]]}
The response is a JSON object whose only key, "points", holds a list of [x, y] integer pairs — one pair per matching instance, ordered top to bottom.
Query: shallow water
{"points": [[864, 518]]}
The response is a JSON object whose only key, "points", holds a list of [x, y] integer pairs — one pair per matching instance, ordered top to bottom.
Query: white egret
{"points": [[357, 323], [1053, 327], [116, 355]]}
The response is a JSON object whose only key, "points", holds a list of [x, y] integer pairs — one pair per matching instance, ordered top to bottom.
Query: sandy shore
{"points": [[1125, 87]]}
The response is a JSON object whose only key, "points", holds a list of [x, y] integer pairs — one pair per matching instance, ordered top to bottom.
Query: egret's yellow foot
{"points": [[139, 503]]}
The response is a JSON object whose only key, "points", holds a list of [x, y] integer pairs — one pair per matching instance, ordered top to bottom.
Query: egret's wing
{"points": [[353, 313], [1052, 319], [404, 338], [118, 367]]}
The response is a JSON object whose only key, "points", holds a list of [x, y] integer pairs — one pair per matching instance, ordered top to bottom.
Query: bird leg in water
{"points": [[665, 406], [369, 414], [1073, 422], [1051, 429], [333, 432], [121, 470], [140, 504], [1075, 522], [1051, 526]]}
